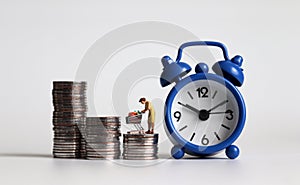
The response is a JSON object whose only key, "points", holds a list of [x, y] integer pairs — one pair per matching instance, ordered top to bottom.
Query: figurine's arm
{"points": [[146, 107]]}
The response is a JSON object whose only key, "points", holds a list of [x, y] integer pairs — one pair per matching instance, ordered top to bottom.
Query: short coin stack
{"points": [[69, 101], [102, 137], [140, 146]]}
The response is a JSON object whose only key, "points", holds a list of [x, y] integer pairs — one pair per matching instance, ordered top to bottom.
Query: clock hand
{"points": [[220, 104], [189, 107], [226, 112], [203, 114]]}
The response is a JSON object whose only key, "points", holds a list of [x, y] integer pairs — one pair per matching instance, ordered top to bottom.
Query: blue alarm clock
{"points": [[204, 112]]}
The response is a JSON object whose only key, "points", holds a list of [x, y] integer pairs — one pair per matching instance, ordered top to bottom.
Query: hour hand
{"points": [[220, 104], [189, 107]]}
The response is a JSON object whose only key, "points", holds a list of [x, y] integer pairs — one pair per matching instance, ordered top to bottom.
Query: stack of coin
{"points": [[69, 101], [102, 137], [140, 146]]}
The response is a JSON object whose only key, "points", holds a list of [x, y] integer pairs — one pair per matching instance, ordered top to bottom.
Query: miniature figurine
{"points": [[151, 116]]}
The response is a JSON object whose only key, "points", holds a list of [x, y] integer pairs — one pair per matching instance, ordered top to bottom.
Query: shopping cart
{"points": [[136, 121]]}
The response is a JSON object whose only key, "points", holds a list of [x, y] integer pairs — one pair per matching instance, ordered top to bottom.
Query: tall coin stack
{"points": [[69, 101], [102, 137], [140, 146]]}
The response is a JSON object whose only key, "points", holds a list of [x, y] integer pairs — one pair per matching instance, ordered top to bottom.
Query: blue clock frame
{"points": [[227, 72], [185, 145]]}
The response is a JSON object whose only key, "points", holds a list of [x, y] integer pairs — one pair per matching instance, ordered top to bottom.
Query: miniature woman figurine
{"points": [[151, 115]]}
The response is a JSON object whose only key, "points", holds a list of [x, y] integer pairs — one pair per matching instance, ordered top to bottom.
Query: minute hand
{"points": [[220, 104], [189, 107]]}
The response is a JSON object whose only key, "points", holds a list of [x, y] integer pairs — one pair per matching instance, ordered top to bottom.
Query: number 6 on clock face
{"points": [[205, 112]]}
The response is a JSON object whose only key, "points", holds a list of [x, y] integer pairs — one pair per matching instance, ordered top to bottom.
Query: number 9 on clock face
{"points": [[204, 112]]}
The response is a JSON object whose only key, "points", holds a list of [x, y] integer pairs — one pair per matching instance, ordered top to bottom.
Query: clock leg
{"points": [[177, 152], [232, 152]]}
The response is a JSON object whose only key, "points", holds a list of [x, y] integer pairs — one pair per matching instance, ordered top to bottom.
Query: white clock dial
{"points": [[205, 112]]}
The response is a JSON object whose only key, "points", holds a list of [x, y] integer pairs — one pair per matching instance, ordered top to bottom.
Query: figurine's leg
{"points": [[177, 152], [232, 152]]}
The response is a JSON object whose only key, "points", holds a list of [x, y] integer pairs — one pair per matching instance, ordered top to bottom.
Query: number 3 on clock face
{"points": [[204, 112]]}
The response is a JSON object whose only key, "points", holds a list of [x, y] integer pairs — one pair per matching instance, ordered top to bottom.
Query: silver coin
{"points": [[68, 82], [69, 87], [69, 90], [70, 98], [69, 102], [70, 109], [70, 113], [67, 116], [68, 119], [77, 121], [64, 124], [68, 124], [102, 126], [102, 129], [67, 131], [103, 132], [68, 134], [103, 135], [140, 135], [67, 138], [140, 139], [103, 141], [95, 142], [141, 142], [67, 143], [63, 144], [108, 144], [91, 146], [103, 146], [140, 148], [67, 149], [99, 149], [103, 150], [66, 154], [102, 155], [139, 155], [102, 158], [139, 158]]}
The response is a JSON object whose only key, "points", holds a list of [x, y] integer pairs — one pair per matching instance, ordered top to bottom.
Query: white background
{"points": [[42, 41]]}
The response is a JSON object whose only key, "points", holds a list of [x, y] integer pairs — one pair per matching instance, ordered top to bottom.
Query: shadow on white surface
{"points": [[26, 155], [161, 156]]}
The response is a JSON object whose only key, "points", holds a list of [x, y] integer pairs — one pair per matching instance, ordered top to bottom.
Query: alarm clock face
{"points": [[204, 112]]}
